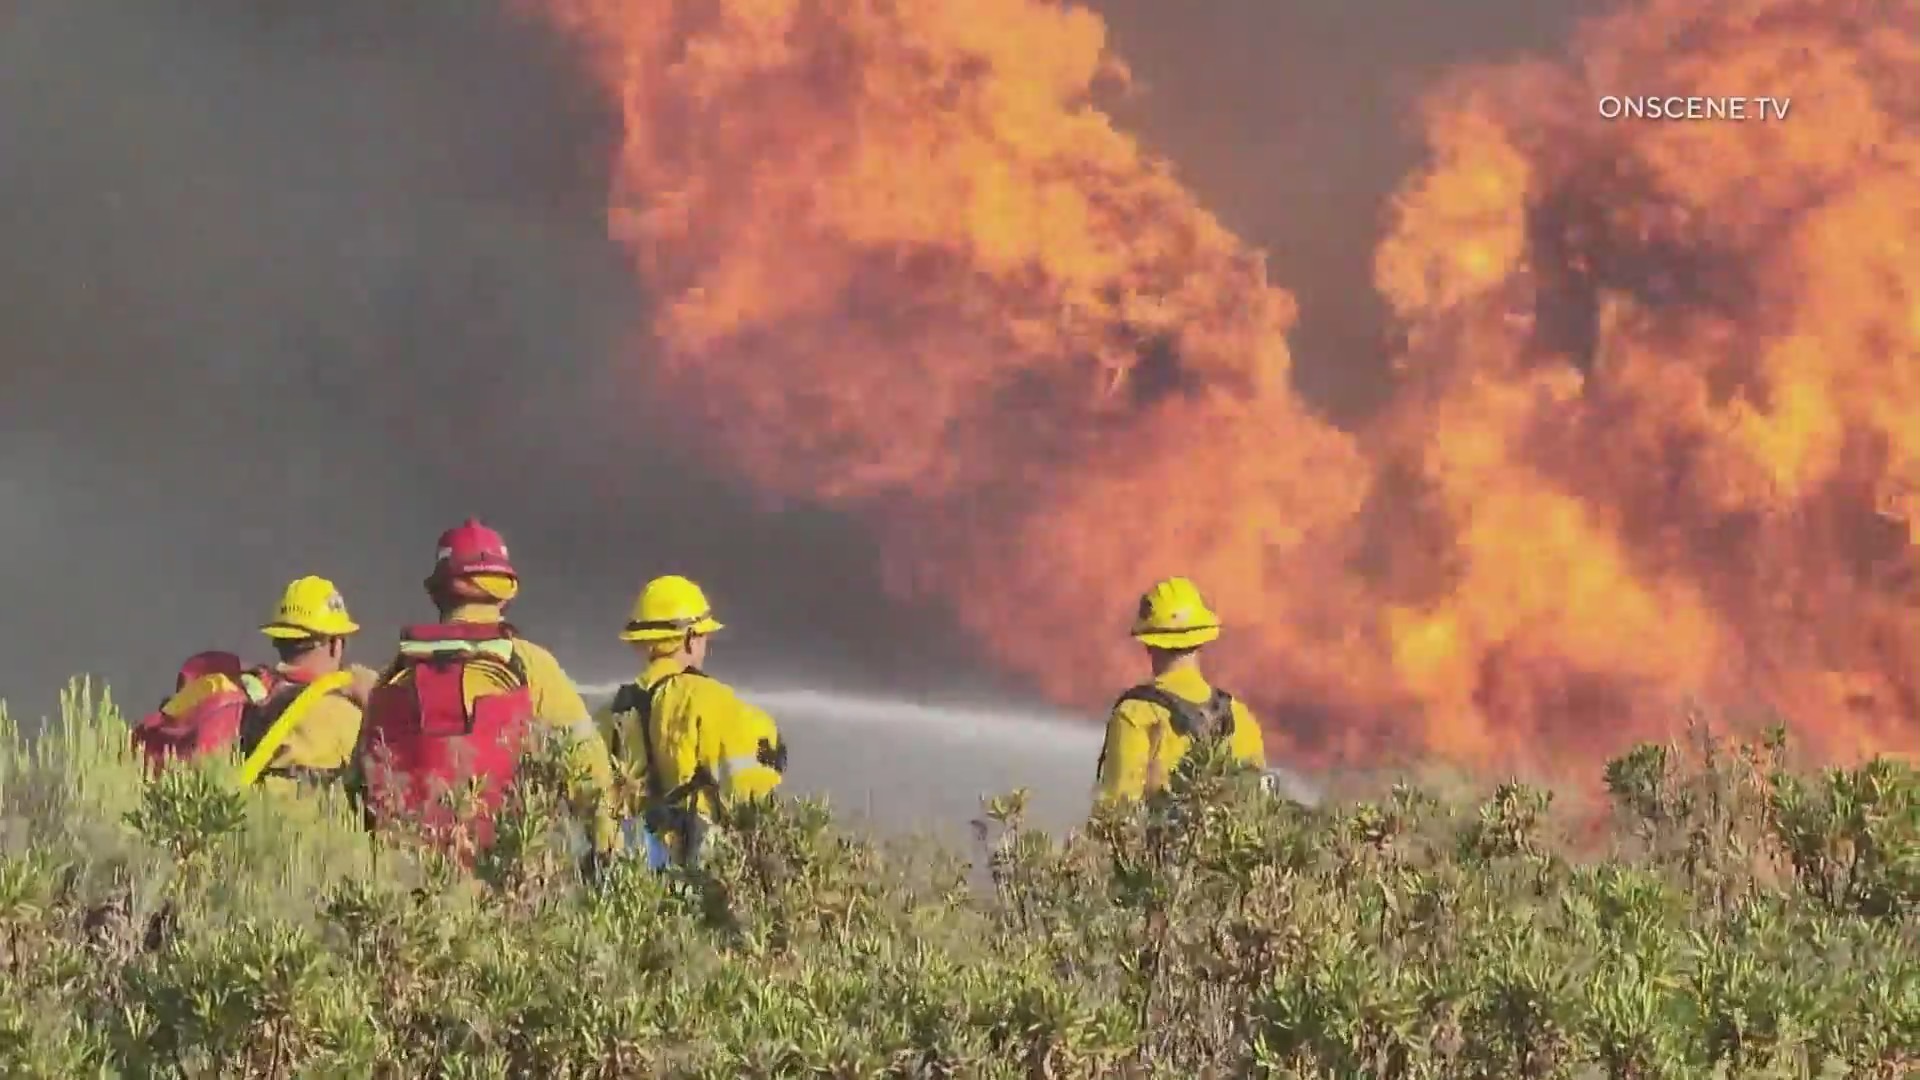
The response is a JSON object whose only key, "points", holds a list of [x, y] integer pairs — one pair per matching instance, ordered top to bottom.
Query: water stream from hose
{"points": [[913, 764]]}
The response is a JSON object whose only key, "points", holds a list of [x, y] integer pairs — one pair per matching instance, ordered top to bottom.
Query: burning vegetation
{"points": [[1665, 386], [1659, 432]]}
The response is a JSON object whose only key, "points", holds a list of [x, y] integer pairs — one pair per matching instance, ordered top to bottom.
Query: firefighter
{"points": [[467, 693], [294, 721], [1153, 724], [699, 748]]}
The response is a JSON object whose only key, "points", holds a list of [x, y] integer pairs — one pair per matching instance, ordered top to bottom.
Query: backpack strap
{"points": [[459, 631], [459, 643], [499, 649], [260, 685], [268, 695], [633, 698], [638, 699], [1212, 718], [266, 726], [305, 775]]}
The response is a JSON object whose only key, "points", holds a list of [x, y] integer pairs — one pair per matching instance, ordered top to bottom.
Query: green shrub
{"points": [[1744, 919]]}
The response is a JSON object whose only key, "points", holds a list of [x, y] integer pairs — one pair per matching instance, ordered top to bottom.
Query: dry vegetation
{"points": [[1745, 919]]}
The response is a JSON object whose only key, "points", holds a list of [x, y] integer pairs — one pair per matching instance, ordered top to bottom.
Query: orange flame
{"points": [[1669, 371], [1663, 393]]}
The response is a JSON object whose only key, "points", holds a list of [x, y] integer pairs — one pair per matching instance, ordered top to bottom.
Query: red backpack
{"points": [[202, 664], [186, 725], [421, 737]]}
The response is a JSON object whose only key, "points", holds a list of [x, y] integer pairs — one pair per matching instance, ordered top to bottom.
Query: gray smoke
{"points": [[289, 287]]}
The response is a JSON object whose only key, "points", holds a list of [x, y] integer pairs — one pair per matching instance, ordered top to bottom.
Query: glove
{"points": [[365, 679], [773, 757]]}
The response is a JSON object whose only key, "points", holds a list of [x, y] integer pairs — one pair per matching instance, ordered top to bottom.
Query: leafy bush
{"points": [[1739, 919]]}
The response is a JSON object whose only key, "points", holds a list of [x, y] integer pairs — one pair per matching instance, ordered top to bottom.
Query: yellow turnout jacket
{"points": [[692, 739], [1144, 742]]}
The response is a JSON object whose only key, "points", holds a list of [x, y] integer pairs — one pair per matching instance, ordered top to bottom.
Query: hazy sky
{"points": [[289, 288]]}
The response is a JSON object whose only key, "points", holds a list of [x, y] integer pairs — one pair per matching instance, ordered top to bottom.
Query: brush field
{"points": [[1729, 915]]}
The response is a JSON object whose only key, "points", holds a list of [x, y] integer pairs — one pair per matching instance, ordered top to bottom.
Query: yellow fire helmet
{"points": [[311, 607], [668, 608], [1173, 616]]}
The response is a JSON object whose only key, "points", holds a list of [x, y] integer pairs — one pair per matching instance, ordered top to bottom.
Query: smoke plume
{"points": [[289, 289], [806, 300], [1661, 380]]}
